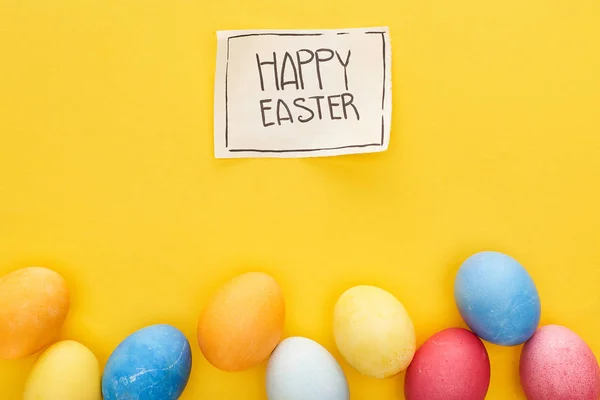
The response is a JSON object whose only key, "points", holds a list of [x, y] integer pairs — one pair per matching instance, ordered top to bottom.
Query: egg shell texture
{"points": [[497, 298], [34, 303], [243, 322], [373, 331], [153, 363], [557, 364], [451, 365], [302, 369], [66, 370]]}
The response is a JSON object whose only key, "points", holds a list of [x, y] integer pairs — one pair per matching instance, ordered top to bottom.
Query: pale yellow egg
{"points": [[373, 331], [67, 370]]}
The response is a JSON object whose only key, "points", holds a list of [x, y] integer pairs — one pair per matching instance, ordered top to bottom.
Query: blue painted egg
{"points": [[497, 298], [153, 363], [302, 369]]}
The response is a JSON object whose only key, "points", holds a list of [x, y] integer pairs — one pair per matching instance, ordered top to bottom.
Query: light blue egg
{"points": [[497, 298], [153, 363], [302, 369]]}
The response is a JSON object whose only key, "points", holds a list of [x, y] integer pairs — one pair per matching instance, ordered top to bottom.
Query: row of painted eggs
{"points": [[242, 326], [155, 363]]}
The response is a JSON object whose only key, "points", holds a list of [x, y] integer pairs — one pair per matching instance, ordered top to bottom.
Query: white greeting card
{"points": [[288, 93]]}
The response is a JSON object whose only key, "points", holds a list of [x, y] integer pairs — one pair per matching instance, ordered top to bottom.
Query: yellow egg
{"points": [[34, 303], [243, 322], [373, 331], [64, 371]]}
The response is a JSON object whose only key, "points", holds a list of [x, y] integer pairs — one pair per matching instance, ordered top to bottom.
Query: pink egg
{"points": [[557, 364], [451, 365]]}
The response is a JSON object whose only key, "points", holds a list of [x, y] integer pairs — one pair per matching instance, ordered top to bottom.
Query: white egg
{"points": [[302, 369]]}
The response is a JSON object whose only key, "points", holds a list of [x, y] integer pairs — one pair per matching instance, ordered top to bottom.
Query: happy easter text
{"points": [[292, 71]]}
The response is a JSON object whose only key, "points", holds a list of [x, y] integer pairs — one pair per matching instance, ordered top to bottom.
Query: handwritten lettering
{"points": [[303, 71]]}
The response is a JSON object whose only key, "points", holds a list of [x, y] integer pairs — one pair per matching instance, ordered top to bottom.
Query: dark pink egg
{"points": [[557, 364], [451, 365]]}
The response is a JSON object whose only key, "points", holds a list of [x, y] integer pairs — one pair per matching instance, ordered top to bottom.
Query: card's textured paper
{"points": [[290, 93]]}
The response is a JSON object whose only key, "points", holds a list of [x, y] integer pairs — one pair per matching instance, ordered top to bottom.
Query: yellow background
{"points": [[108, 175]]}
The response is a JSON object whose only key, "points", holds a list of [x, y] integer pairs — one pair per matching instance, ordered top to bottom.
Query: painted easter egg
{"points": [[497, 298], [34, 303], [242, 323], [373, 331], [153, 363], [557, 364], [451, 365], [302, 369], [66, 370]]}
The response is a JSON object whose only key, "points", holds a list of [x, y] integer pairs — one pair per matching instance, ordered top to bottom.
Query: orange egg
{"points": [[34, 303], [242, 323]]}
